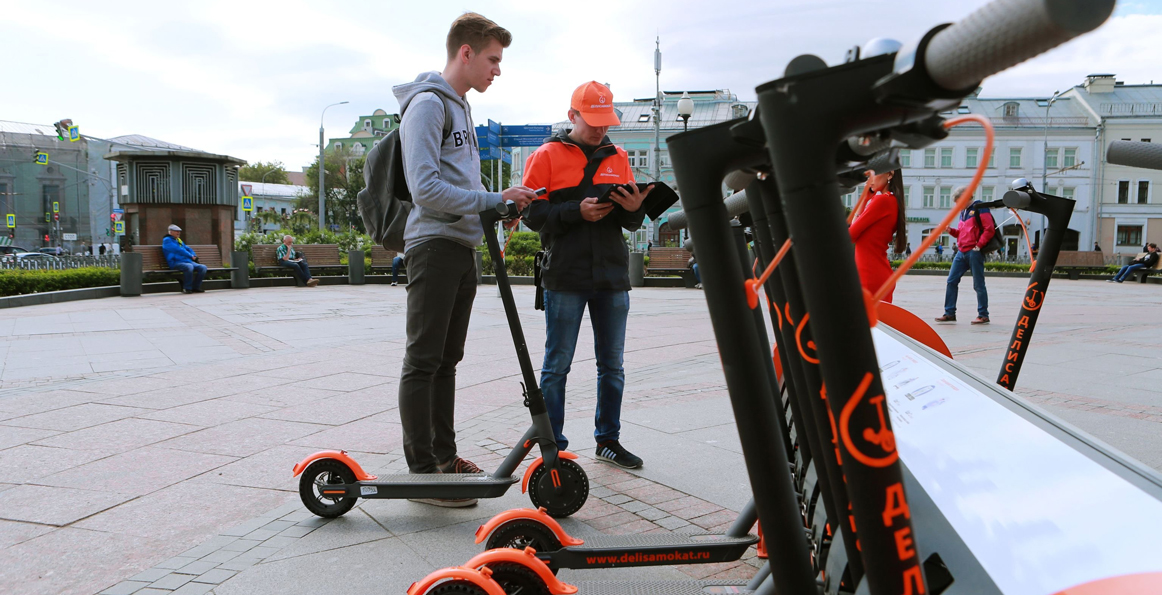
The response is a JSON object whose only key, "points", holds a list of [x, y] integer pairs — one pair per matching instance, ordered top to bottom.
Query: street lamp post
{"points": [[685, 109], [1045, 157], [657, 160], [322, 168]]}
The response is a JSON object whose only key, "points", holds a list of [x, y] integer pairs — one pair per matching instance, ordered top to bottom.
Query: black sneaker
{"points": [[614, 452]]}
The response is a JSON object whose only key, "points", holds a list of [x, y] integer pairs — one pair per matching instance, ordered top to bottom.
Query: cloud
{"points": [[249, 78]]}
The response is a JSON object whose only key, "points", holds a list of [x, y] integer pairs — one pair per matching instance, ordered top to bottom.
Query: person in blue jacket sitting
{"points": [[181, 257]]}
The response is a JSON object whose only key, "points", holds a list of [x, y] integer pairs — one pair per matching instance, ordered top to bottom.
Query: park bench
{"points": [[319, 257], [153, 260], [381, 261], [673, 261], [1074, 263], [1140, 275]]}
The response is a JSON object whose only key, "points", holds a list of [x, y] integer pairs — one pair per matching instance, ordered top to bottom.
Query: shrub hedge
{"points": [[18, 282]]}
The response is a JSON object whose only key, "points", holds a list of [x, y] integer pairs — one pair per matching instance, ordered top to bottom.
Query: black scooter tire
{"points": [[576, 484], [317, 504], [517, 579], [456, 587]]}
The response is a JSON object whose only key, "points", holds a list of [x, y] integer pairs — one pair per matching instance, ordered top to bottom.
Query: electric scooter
{"points": [[332, 481]]}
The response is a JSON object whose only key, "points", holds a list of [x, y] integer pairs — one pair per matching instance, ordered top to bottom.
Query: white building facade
{"points": [[280, 198]]}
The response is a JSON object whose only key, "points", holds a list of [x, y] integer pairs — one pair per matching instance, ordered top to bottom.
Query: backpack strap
{"points": [[447, 118]]}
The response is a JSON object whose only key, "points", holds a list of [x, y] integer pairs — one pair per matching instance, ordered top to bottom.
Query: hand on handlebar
{"points": [[521, 195], [592, 211]]}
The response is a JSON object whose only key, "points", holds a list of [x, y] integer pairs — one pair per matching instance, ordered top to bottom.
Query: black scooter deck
{"points": [[434, 485], [615, 551], [662, 588]]}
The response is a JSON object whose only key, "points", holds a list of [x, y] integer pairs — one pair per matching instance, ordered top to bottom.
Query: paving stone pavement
{"points": [[146, 443]]}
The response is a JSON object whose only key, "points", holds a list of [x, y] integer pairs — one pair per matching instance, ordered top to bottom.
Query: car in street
{"points": [[11, 250], [53, 251]]}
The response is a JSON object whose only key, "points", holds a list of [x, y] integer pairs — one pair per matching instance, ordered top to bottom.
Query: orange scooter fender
{"points": [[911, 325], [338, 455], [524, 485], [539, 515], [528, 559], [481, 578]]}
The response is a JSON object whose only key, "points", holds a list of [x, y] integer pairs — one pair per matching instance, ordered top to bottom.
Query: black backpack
{"points": [[385, 202], [995, 243]]}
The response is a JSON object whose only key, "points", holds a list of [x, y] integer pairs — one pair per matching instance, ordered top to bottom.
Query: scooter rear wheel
{"points": [[319, 475], [575, 490], [521, 534], [517, 579], [456, 587]]}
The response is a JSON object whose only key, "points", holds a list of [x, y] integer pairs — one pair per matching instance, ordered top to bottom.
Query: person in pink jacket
{"points": [[975, 230]]}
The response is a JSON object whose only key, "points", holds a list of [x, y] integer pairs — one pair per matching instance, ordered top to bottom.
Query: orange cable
{"points": [[961, 203], [1033, 264], [752, 285]]}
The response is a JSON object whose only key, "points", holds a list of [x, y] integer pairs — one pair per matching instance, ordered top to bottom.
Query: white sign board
{"points": [[69, 237], [1039, 515]]}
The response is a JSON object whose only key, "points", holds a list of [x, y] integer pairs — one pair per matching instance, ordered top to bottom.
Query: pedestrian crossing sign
{"points": [[74, 134], [41, 158], [247, 203], [11, 220], [119, 227]]}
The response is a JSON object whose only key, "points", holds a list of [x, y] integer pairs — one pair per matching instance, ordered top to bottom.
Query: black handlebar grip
{"points": [[1005, 33], [1135, 154], [1016, 199], [735, 206]]}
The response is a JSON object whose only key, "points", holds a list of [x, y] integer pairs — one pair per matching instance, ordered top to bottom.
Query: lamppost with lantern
{"points": [[685, 109], [322, 168]]}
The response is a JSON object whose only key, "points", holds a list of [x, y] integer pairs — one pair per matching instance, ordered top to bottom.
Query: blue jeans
{"points": [[395, 262], [961, 263], [300, 270], [1126, 270], [192, 274], [697, 277], [608, 311]]}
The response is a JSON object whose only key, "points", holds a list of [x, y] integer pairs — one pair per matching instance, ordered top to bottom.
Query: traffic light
{"points": [[62, 128], [46, 238]]}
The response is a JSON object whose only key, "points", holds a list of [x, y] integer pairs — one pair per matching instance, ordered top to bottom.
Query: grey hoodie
{"points": [[443, 174]]}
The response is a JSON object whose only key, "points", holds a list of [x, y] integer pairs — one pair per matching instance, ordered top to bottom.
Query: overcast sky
{"points": [[249, 78]]}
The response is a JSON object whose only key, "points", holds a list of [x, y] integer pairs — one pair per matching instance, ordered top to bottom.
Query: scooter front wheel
{"points": [[315, 480], [574, 488], [516, 579], [456, 587]]}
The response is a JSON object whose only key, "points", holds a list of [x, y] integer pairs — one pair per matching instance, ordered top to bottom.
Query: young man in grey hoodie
{"points": [[443, 230]]}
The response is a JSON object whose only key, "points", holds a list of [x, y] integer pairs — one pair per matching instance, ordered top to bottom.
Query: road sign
{"points": [[494, 126], [527, 130], [74, 135], [493, 139], [522, 141], [487, 153], [506, 156], [41, 158], [246, 188], [247, 203], [56, 207], [47, 217], [11, 220], [119, 227], [69, 237]]}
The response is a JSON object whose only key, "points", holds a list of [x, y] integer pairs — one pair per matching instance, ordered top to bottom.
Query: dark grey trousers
{"points": [[441, 287]]}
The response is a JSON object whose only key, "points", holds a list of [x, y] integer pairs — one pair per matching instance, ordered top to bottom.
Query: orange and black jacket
{"points": [[580, 255]]}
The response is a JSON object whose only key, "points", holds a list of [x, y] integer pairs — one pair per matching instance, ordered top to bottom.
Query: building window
{"points": [[1012, 109], [963, 110], [643, 118], [387, 123], [367, 124], [1145, 140], [338, 146], [970, 157], [1015, 157], [639, 158], [665, 158], [906, 158], [930, 158], [946, 158], [1051, 158], [1070, 158], [993, 159], [1143, 191], [1068, 192], [1123, 192], [986, 193], [907, 195], [946, 197], [4, 199], [848, 200], [929, 203], [284, 211], [1129, 235], [941, 241]]}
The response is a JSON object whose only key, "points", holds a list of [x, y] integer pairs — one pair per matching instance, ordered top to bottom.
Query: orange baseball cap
{"points": [[595, 103]]}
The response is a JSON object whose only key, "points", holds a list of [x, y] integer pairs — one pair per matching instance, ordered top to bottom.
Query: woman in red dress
{"points": [[871, 232]]}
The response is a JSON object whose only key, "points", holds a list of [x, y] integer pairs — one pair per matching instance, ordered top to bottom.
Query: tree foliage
{"points": [[274, 171], [343, 179]]}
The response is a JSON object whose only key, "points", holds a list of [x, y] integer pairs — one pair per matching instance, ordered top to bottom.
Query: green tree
{"points": [[487, 170], [274, 171], [343, 179]]}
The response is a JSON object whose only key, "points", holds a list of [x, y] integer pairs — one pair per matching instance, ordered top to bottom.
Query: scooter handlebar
{"points": [[1005, 33], [1135, 154], [735, 206]]}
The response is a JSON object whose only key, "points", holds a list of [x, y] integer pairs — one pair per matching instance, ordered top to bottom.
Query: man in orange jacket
{"points": [[586, 263]]}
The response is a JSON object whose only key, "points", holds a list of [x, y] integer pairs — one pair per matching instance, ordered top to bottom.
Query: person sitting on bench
{"points": [[181, 257], [293, 260], [1145, 261]]}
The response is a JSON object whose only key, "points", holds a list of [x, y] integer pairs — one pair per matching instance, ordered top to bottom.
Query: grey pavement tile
{"points": [[346, 381], [343, 408], [208, 413], [73, 418], [369, 435], [13, 436], [119, 436], [243, 437], [30, 462], [137, 472], [617, 499], [56, 506], [153, 515], [672, 522], [277, 526], [351, 529], [297, 531], [12, 533], [260, 534], [280, 541], [240, 545], [222, 555], [72, 560], [175, 563], [238, 565], [197, 568], [151, 575], [215, 576], [171, 581], [124, 588], [194, 588], [152, 591]]}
